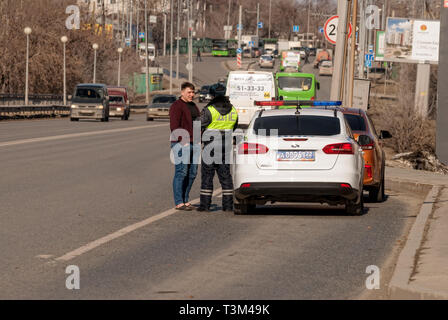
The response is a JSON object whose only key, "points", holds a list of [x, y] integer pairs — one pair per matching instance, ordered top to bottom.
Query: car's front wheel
{"points": [[149, 119]]}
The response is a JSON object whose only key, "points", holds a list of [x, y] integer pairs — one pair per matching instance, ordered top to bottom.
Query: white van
{"points": [[151, 51], [244, 87]]}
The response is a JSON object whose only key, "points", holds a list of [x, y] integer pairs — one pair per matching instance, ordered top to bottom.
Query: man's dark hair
{"points": [[187, 85]]}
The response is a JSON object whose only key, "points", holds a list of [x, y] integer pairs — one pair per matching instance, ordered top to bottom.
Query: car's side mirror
{"points": [[318, 85], [280, 98], [384, 134], [364, 140]]}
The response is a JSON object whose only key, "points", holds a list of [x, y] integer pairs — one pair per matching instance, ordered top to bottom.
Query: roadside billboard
{"points": [[409, 40]]}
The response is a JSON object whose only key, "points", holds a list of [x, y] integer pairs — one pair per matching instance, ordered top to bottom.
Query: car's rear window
{"points": [[295, 83], [115, 98], [164, 100], [356, 122], [302, 125]]}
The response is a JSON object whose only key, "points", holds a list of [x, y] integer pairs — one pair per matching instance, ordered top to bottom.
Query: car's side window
{"points": [[372, 126], [349, 130]]}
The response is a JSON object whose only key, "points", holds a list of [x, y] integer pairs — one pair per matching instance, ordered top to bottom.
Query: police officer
{"points": [[218, 120]]}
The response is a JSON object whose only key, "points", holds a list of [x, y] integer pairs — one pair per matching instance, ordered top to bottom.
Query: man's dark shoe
{"points": [[203, 209]]}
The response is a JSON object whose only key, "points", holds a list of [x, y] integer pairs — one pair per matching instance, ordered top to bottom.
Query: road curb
{"points": [[401, 286]]}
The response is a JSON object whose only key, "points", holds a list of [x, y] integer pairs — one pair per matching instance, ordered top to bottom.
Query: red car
{"points": [[119, 102]]}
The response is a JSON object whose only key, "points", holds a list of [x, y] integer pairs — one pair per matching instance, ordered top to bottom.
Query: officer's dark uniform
{"points": [[221, 116]]}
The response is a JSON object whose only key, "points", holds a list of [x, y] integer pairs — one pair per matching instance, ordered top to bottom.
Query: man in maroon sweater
{"points": [[185, 149]]}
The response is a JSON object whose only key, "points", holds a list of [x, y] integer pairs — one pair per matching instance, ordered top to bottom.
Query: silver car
{"points": [[266, 61], [90, 101], [160, 107]]}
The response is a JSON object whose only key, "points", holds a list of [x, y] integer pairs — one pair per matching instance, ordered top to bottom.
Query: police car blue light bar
{"points": [[311, 103]]}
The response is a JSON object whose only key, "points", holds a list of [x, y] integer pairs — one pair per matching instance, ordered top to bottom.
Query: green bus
{"points": [[224, 48], [296, 86]]}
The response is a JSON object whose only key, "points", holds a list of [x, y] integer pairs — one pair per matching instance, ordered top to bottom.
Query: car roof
{"points": [[249, 72], [294, 74], [98, 85], [164, 95], [304, 111]]}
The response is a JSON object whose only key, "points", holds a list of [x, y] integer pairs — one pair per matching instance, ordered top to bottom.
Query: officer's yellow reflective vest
{"points": [[222, 122]]}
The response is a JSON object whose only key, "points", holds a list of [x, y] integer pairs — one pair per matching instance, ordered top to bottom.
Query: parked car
{"points": [[247, 53], [266, 61], [326, 68], [204, 94], [90, 101], [118, 102], [160, 107], [374, 156], [311, 157]]}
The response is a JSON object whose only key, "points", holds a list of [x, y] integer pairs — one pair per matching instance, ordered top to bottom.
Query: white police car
{"points": [[312, 157]]}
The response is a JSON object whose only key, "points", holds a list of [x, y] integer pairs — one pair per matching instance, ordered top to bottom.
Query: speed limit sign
{"points": [[331, 29]]}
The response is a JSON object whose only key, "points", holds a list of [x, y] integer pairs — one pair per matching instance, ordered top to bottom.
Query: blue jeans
{"points": [[185, 170]]}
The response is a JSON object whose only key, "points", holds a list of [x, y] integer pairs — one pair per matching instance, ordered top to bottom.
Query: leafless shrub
{"points": [[409, 130]]}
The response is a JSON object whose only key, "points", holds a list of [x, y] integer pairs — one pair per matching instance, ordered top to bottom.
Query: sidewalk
{"points": [[421, 271]]}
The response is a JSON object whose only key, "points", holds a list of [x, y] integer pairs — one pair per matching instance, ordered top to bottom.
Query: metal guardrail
{"points": [[33, 99], [23, 112]]}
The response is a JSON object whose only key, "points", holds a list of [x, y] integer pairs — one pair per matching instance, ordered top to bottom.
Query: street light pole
{"points": [[270, 6], [258, 17], [27, 32], [64, 39], [95, 47], [120, 50], [146, 54]]}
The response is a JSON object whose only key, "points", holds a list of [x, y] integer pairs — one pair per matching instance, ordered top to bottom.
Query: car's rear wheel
{"points": [[74, 119], [149, 119], [377, 194], [241, 207], [355, 208]]}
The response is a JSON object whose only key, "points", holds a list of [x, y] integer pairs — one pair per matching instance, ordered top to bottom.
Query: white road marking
{"points": [[75, 135], [96, 243]]}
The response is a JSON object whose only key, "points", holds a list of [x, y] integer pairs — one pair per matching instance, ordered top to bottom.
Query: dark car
{"points": [[313, 51], [204, 94], [160, 107]]}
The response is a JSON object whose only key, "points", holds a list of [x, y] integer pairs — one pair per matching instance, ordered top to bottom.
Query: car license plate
{"points": [[286, 155]]}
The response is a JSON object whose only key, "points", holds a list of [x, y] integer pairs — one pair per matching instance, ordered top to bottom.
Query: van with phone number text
{"points": [[244, 87]]}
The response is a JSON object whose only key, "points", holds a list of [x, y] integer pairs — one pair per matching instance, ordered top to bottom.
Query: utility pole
{"points": [[270, 7], [258, 17], [308, 21], [130, 23], [240, 27], [164, 32], [227, 32], [361, 38], [137, 39], [190, 44], [171, 46], [146, 53], [352, 54], [336, 81], [442, 99]]}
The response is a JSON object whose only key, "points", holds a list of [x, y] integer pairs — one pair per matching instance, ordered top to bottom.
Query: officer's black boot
{"points": [[206, 201], [227, 203]]}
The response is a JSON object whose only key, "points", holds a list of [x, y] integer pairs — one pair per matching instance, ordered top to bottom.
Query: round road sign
{"points": [[331, 29]]}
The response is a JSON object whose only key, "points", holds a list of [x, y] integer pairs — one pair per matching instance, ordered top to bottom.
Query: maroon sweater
{"points": [[180, 117]]}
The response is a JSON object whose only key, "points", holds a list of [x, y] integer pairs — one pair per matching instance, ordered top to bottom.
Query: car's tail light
{"points": [[312, 98], [295, 139], [367, 146], [252, 148], [339, 148], [368, 170], [245, 185], [346, 185]]}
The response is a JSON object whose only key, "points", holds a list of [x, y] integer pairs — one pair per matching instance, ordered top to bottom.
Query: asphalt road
{"points": [[67, 188]]}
